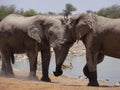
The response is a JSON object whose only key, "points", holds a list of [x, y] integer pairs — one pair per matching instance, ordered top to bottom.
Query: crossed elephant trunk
{"points": [[60, 55], [59, 61]]}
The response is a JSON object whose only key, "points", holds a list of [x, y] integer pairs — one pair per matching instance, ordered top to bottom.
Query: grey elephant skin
{"points": [[19, 34], [100, 35]]}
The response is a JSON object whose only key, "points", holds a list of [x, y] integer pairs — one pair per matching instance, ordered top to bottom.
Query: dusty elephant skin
{"points": [[19, 34], [100, 35]]}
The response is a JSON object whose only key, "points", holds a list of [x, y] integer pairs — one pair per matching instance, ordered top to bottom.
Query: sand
{"points": [[20, 82]]}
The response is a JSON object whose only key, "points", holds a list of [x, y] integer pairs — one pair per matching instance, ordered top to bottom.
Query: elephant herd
{"points": [[19, 34]]}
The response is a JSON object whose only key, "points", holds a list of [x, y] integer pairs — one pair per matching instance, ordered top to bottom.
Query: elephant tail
{"points": [[12, 59]]}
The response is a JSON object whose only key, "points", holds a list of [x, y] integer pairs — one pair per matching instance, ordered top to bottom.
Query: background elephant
{"points": [[19, 34], [100, 35]]}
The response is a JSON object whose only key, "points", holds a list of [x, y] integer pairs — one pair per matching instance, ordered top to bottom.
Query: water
{"points": [[108, 70]]}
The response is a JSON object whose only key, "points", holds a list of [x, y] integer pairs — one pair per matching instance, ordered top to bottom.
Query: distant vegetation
{"points": [[5, 10], [111, 12]]}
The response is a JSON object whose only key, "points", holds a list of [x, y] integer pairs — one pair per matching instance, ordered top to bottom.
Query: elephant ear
{"points": [[91, 20], [73, 21], [88, 22], [46, 26], [81, 32], [36, 33]]}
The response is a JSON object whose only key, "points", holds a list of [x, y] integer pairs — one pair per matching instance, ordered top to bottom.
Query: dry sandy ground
{"points": [[20, 82]]}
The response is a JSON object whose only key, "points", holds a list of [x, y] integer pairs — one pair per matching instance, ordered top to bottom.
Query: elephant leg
{"points": [[45, 54], [100, 58], [6, 65], [33, 65], [91, 67], [3, 68], [86, 72], [92, 76], [93, 79]]}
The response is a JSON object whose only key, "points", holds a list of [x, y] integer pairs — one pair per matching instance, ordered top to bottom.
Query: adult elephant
{"points": [[19, 34], [100, 35]]}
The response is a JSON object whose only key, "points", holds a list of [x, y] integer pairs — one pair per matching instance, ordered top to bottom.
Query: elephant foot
{"points": [[2, 73], [58, 73], [6, 74], [10, 75], [33, 78], [46, 79], [93, 79], [95, 84]]}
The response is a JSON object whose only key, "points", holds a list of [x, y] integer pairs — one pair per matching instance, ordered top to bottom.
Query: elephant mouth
{"points": [[58, 73]]}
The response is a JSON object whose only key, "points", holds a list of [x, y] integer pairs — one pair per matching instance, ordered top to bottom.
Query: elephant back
{"points": [[16, 21]]}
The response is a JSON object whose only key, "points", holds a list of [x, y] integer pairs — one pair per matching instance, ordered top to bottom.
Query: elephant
{"points": [[19, 34], [100, 35]]}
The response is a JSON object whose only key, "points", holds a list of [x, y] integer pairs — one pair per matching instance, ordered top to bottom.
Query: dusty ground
{"points": [[20, 82]]}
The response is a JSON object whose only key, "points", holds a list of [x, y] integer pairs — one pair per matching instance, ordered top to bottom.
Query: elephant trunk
{"points": [[60, 54]]}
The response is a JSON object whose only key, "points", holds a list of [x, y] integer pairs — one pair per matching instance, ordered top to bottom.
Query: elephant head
{"points": [[81, 25], [47, 28], [54, 31], [65, 41]]}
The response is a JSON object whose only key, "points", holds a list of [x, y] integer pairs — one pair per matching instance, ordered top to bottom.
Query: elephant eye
{"points": [[50, 33]]}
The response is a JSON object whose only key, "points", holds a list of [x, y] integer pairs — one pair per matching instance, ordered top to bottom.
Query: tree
{"points": [[11, 9], [68, 9], [5, 10], [30, 12], [111, 12]]}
